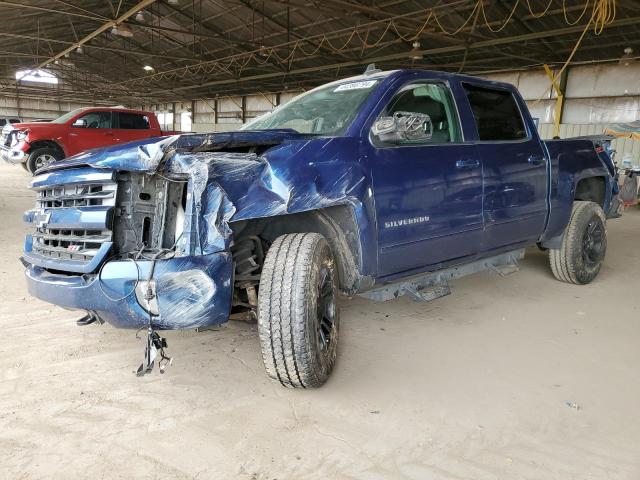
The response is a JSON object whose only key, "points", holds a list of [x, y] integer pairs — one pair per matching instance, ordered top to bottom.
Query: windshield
{"points": [[323, 111], [67, 116]]}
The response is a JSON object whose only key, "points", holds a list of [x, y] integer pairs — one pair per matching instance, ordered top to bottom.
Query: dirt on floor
{"points": [[516, 377]]}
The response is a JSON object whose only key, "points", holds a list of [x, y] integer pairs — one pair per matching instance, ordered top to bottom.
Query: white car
{"points": [[8, 120]]}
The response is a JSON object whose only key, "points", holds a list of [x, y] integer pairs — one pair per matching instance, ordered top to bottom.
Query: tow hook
{"points": [[155, 344]]}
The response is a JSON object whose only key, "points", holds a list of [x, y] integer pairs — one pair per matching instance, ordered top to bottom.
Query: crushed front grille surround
{"points": [[76, 243]]}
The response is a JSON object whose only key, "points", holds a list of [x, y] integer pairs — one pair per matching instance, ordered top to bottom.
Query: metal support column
{"points": [[559, 87]]}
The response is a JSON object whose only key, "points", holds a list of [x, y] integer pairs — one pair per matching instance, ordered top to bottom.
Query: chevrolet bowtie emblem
{"points": [[41, 218]]}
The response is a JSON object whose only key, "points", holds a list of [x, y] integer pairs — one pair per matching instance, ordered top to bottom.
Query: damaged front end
{"points": [[139, 235], [107, 242]]}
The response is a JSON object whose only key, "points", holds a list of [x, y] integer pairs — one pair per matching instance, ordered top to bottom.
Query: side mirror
{"points": [[81, 123], [403, 126]]}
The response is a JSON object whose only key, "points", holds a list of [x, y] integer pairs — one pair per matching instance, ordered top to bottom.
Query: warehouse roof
{"points": [[149, 51]]}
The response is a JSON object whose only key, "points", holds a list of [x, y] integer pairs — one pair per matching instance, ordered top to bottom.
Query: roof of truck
{"points": [[379, 74]]}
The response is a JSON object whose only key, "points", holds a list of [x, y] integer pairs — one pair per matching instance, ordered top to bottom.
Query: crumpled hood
{"points": [[145, 155], [236, 176]]}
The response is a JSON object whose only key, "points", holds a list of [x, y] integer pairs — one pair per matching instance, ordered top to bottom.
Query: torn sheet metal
{"points": [[230, 177]]}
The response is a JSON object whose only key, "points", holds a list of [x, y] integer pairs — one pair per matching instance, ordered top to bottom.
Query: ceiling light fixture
{"points": [[140, 17], [122, 30], [79, 49], [415, 53], [628, 57], [148, 68]]}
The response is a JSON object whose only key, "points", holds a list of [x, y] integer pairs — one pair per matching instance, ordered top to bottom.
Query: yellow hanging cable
{"points": [[602, 14], [540, 15], [506, 22], [575, 22]]}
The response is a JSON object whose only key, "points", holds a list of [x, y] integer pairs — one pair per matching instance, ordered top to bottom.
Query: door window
{"points": [[433, 99], [496, 113], [96, 120], [133, 121]]}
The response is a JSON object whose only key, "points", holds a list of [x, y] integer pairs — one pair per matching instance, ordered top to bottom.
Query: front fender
{"points": [[229, 187]]}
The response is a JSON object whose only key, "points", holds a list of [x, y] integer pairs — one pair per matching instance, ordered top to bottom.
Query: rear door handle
{"points": [[536, 159], [468, 163]]}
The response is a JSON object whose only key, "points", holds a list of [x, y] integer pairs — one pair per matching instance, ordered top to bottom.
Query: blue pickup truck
{"points": [[385, 184]]}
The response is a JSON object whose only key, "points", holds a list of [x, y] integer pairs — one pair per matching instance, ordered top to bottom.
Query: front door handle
{"points": [[536, 159], [468, 163]]}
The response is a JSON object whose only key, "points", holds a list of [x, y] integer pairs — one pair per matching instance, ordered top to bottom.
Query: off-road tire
{"points": [[32, 159], [578, 260], [298, 273]]}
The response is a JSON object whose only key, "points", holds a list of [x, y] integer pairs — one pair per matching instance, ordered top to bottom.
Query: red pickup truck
{"points": [[37, 144]]}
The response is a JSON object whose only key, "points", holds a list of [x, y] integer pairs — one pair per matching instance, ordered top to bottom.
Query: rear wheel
{"points": [[41, 157], [579, 258], [298, 316]]}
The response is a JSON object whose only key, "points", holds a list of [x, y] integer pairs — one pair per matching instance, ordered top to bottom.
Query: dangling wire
{"points": [[603, 12]]}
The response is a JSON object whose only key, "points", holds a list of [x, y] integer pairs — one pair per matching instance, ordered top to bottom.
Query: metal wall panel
{"points": [[609, 80]]}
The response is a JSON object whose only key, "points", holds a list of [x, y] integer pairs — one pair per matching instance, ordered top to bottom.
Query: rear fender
{"points": [[572, 162]]}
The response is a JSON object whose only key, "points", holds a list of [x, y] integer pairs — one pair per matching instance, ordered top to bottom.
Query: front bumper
{"points": [[13, 155], [193, 291]]}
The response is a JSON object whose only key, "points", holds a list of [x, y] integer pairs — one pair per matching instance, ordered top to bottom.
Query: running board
{"points": [[433, 285]]}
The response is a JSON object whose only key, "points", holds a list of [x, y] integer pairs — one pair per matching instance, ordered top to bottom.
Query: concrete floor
{"points": [[471, 386]]}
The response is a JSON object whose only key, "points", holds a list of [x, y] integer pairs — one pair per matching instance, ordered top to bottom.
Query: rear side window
{"points": [[496, 113], [14, 120], [133, 121], [3, 122]]}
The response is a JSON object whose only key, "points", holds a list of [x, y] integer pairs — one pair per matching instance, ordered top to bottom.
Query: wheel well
{"points": [[47, 144], [591, 189], [337, 224]]}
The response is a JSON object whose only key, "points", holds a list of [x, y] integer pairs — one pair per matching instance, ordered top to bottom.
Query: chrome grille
{"points": [[5, 137], [63, 196], [77, 242], [73, 244]]}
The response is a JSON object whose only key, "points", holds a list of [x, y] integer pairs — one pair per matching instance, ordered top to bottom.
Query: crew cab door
{"points": [[131, 126], [91, 130], [514, 166], [428, 193]]}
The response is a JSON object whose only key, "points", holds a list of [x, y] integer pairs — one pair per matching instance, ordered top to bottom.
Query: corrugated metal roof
{"points": [[199, 48]]}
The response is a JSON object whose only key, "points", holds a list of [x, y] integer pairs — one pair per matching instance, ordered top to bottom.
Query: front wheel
{"points": [[41, 157], [580, 256], [298, 316]]}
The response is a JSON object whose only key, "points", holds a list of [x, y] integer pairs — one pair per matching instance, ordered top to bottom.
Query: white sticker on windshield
{"points": [[355, 85]]}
